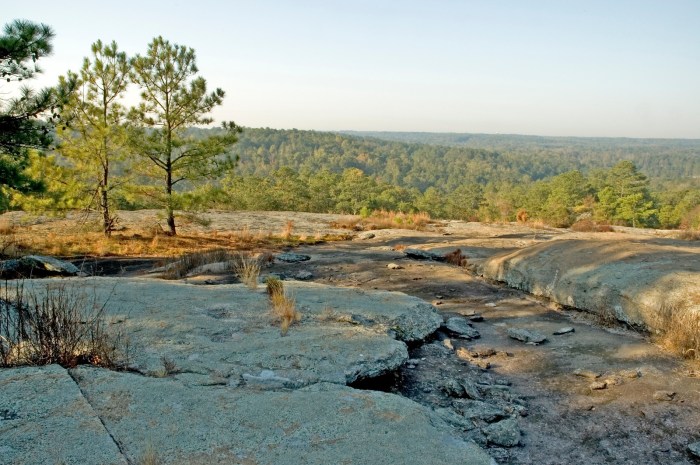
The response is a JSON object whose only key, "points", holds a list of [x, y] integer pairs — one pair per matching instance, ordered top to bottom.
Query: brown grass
{"points": [[521, 216], [383, 219], [590, 226], [689, 235], [66, 241], [180, 267], [247, 267], [283, 307], [678, 329], [150, 457]]}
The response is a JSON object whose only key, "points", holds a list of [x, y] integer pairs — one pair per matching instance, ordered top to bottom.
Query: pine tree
{"points": [[22, 44], [173, 99], [96, 138]]}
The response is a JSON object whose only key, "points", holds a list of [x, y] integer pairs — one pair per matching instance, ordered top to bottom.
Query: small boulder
{"points": [[366, 235], [290, 257], [394, 266], [303, 275], [460, 326], [566, 330], [526, 335], [505, 433], [694, 449]]}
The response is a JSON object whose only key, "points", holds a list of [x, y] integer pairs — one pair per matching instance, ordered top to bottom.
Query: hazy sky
{"points": [[581, 68]]}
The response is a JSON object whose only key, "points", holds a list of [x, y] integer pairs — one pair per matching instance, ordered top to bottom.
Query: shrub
{"points": [[456, 258], [61, 325]]}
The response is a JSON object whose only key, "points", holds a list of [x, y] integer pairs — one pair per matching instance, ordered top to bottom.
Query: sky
{"points": [[612, 68]]}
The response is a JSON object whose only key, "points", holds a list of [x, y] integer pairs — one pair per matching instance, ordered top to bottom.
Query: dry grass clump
{"points": [[522, 216], [383, 219], [353, 223], [590, 226], [689, 235], [457, 258], [180, 267], [247, 267], [283, 306], [61, 325], [678, 329], [150, 457]]}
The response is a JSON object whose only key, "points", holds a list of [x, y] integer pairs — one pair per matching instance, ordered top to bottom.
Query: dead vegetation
{"points": [[382, 219], [588, 225], [689, 235], [64, 237], [457, 258], [282, 305], [62, 324], [678, 329]]}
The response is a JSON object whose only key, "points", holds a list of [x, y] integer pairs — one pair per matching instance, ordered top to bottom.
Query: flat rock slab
{"points": [[292, 257], [630, 280], [460, 326], [218, 334], [526, 335], [44, 419], [317, 425]]}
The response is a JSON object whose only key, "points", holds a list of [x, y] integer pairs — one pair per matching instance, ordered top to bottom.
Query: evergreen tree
{"points": [[22, 44], [173, 99], [97, 137]]}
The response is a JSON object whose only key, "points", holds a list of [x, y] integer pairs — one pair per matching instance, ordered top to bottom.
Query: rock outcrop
{"points": [[36, 266], [638, 284], [215, 382]]}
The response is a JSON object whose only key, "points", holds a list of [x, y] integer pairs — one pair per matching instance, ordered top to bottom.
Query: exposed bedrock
{"points": [[641, 283]]}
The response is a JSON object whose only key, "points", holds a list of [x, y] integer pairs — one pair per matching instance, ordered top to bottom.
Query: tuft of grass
{"points": [[288, 230], [180, 267], [247, 267], [283, 307], [62, 325], [678, 330], [169, 368], [150, 457]]}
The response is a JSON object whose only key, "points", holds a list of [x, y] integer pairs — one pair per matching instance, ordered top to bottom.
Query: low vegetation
{"points": [[247, 267], [283, 306], [62, 324], [679, 329]]}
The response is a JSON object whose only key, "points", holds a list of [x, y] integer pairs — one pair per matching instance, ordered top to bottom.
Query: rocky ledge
{"points": [[646, 284], [214, 381]]}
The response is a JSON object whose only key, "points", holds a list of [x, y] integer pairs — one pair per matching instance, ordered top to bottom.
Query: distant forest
{"points": [[559, 181]]}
